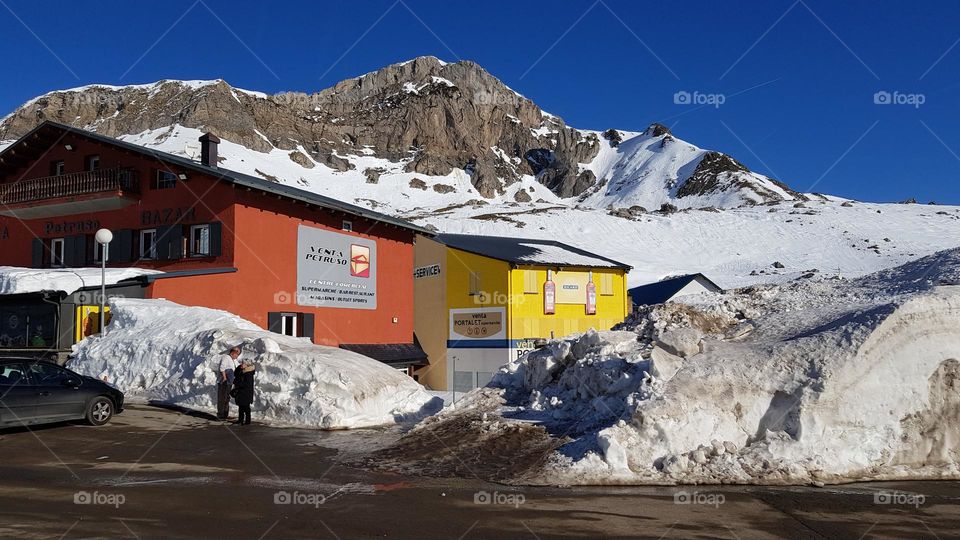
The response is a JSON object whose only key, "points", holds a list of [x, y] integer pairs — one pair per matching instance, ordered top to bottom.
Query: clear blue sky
{"points": [[798, 78]]}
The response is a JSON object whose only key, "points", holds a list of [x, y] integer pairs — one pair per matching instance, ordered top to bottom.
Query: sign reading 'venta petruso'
{"points": [[335, 270]]}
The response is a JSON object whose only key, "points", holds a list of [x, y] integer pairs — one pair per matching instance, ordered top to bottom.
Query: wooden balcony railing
{"points": [[68, 185]]}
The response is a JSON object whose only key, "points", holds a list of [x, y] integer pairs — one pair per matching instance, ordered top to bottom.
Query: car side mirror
{"points": [[72, 382]]}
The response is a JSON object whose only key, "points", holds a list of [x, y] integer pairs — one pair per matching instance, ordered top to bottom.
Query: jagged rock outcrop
{"points": [[423, 116], [434, 116]]}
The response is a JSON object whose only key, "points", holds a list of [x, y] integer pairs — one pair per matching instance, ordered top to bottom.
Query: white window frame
{"points": [[347, 226], [54, 243], [192, 244], [148, 252], [289, 322]]}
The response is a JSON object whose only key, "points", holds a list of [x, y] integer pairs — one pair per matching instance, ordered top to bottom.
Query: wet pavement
{"points": [[155, 473]]}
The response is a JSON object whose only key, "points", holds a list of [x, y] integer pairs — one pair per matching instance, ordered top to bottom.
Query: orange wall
{"points": [[210, 200], [259, 239]]}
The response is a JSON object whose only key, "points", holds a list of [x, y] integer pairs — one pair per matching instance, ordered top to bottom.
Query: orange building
{"points": [[289, 260]]}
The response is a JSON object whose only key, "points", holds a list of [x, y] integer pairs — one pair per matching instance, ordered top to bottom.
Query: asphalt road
{"points": [[154, 473]]}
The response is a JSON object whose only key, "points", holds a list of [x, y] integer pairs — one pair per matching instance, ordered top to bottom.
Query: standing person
{"points": [[226, 367], [243, 384]]}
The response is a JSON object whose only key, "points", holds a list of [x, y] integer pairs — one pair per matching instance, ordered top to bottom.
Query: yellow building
{"points": [[481, 301]]}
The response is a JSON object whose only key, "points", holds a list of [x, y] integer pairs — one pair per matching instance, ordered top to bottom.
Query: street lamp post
{"points": [[103, 237]]}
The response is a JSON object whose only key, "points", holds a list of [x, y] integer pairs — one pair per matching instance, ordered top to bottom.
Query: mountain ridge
{"points": [[457, 128]]}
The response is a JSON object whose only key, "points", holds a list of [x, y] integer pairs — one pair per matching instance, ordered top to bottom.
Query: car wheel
{"points": [[99, 411]]}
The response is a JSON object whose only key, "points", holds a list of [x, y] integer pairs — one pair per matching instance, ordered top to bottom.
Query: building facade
{"points": [[288, 260], [671, 288], [482, 301]]}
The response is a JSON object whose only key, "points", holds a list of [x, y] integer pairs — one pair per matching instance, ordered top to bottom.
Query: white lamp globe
{"points": [[104, 236]]}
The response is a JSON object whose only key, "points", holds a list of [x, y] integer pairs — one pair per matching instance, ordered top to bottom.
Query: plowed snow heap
{"points": [[159, 351], [814, 381]]}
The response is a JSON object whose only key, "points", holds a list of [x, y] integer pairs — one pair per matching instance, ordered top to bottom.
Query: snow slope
{"points": [[648, 170], [733, 247], [157, 350], [812, 381]]}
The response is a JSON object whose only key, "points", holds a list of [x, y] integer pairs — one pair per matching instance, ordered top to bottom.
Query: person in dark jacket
{"points": [[243, 383]]}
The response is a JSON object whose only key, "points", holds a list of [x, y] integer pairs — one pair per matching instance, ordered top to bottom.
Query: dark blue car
{"points": [[40, 392]]}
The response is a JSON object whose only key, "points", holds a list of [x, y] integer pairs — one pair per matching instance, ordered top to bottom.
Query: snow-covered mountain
{"points": [[424, 125], [451, 146]]}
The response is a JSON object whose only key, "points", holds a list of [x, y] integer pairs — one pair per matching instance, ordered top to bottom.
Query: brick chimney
{"points": [[208, 149]]}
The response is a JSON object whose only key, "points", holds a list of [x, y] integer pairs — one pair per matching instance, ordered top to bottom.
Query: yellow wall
{"points": [[494, 280], [500, 285], [430, 311], [527, 319]]}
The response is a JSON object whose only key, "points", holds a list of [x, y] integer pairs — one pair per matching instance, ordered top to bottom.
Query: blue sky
{"points": [[797, 79]]}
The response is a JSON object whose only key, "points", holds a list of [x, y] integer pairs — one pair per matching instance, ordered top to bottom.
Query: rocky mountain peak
{"points": [[423, 116], [656, 129]]}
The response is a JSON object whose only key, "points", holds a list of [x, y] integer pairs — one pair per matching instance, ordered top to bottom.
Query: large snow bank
{"points": [[15, 280], [157, 350], [814, 381]]}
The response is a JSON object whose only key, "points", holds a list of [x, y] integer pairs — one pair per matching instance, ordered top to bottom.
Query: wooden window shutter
{"points": [[169, 242], [216, 242], [121, 249], [75, 251], [37, 253], [530, 285], [307, 320], [275, 322]]}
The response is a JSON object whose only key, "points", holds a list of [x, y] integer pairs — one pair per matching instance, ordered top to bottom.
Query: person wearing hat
{"points": [[226, 366], [243, 385]]}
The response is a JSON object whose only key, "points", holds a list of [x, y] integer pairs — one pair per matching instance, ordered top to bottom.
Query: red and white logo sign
{"points": [[359, 261]]}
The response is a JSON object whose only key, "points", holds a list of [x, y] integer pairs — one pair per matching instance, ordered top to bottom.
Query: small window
{"points": [[93, 163], [57, 168], [165, 180], [347, 225], [200, 240], [148, 244], [56, 253], [474, 283], [606, 284], [530, 285], [288, 325], [45, 374], [12, 375]]}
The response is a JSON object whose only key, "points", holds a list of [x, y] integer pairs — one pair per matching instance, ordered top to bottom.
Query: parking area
{"points": [[156, 473]]}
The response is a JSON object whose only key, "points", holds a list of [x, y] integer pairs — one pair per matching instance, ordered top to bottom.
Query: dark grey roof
{"points": [[235, 177], [522, 251], [150, 278], [661, 291], [394, 354]]}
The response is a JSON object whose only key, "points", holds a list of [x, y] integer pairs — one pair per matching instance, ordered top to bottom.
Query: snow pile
{"points": [[15, 280], [157, 350], [813, 381]]}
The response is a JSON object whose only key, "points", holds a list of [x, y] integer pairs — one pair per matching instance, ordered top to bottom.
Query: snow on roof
{"points": [[528, 251], [560, 254], [15, 280]]}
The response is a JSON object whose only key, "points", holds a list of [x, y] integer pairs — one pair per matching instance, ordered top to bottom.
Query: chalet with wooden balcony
{"points": [[287, 259]]}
